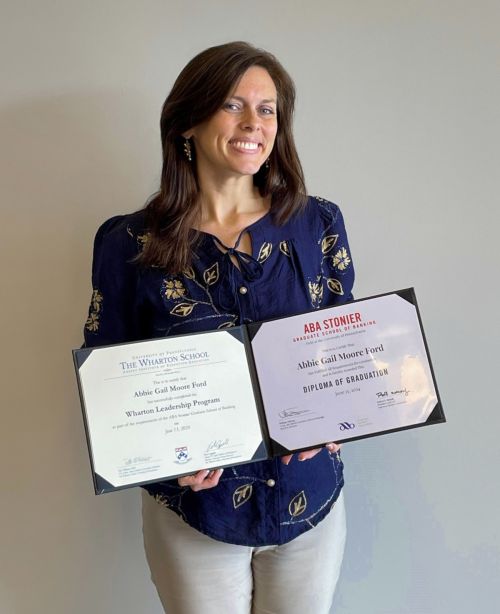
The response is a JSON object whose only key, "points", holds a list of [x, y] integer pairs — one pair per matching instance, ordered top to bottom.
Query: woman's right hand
{"points": [[201, 480]]}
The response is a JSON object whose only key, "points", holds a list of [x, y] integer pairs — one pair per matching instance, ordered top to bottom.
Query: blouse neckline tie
{"points": [[249, 268]]}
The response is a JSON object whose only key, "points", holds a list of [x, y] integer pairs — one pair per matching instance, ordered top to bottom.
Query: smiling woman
{"points": [[230, 92], [239, 137], [230, 238]]}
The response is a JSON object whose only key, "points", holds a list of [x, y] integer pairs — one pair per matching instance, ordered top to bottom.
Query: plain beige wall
{"points": [[398, 122]]}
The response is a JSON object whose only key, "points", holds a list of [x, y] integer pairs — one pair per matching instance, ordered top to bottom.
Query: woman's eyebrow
{"points": [[264, 101]]}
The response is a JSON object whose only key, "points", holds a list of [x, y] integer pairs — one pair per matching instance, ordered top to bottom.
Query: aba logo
{"points": [[346, 426], [182, 454]]}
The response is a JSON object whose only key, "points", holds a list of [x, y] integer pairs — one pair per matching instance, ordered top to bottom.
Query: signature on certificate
{"points": [[403, 391], [289, 413], [217, 444], [137, 459]]}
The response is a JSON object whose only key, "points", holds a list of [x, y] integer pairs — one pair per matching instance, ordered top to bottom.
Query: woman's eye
{"points": [[231, 106], [267, 111]]}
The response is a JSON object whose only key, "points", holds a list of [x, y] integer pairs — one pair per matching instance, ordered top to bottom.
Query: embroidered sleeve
{"points": [[337, 271], [112, 316]]}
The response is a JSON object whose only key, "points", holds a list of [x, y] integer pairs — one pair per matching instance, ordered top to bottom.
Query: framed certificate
{"points": [[346, 372], [168, 407]]}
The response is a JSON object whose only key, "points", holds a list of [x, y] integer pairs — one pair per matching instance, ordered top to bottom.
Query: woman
{"points": [[231, 238]]}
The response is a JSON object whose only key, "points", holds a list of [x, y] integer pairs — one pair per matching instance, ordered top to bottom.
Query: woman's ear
{"points": [[188, 134]]}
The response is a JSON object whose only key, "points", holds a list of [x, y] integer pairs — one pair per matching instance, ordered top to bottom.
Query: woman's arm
{"points": [[113, 312]]}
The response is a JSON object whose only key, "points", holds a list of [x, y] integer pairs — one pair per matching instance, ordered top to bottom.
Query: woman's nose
{"points": [[250, 120]]}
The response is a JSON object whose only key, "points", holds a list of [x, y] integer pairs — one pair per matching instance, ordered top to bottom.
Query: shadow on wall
{"points": [[67, 163], [382, 480], [398, 549]]}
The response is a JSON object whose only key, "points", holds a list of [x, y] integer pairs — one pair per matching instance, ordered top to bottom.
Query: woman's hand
{"points": [[307, 454], [201, 480]]}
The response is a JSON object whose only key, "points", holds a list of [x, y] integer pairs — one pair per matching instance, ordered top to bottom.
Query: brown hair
{"points": [[198, 93]]}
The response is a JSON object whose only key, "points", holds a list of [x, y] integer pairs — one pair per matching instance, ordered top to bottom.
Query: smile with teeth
{"points": [[247, 145]]}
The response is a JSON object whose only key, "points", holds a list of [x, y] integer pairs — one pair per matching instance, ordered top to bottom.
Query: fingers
{"points": [[307, 454], [302, 456], [201, 480]]}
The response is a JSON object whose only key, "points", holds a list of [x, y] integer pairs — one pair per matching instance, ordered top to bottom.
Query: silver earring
{"points": [[187, 149], [266, 164]]}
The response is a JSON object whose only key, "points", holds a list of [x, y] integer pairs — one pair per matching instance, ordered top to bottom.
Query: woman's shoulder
{"points": [[322, 209], [316, 217], [121, 232]]}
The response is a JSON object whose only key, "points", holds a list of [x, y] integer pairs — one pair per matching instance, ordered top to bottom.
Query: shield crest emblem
{"points": [[182, 454]]}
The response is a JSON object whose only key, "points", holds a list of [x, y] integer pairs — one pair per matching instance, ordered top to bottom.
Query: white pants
{"points": [[194, 573]]}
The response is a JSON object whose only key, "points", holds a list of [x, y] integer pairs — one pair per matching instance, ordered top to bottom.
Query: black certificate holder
{"points": [[435, 417], [268, 447], [275, 448], [262, 452]]}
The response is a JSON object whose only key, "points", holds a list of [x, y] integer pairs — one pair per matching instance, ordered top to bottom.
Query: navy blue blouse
{"points": [[299, 266]]}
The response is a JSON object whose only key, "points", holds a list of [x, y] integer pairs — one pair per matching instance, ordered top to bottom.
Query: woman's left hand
{"points": [[307, 454]]}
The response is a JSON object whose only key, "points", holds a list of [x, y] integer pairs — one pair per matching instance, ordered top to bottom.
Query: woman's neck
{"points": [[225, 202], [228, 207]]}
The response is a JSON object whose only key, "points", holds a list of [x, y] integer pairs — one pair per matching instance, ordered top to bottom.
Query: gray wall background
{"points": [[398, 122]]}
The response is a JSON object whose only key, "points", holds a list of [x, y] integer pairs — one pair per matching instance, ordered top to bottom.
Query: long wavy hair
{"points": [[198, 93]]}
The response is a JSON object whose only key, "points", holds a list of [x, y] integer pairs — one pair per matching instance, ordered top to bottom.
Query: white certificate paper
{"points": [[345, 372], [168, 407]]}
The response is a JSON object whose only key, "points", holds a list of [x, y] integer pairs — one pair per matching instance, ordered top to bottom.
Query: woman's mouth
{"points": [[249, 146]]}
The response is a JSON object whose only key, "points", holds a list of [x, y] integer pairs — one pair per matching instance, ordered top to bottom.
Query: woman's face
{"points": [[239, 137]]}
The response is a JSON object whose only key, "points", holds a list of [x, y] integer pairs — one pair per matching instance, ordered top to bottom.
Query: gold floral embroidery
{"points": [[144, 238], [328, 243], [284, 249], [265, 252], [341, 259], [189, 273], [211, 275], [335, 286], [174, 288], [179, 292], [316, 292], [96, 300], [183, 309], [92, 323], [226, 325], [242, 494], [162, 499], [298, 504]]}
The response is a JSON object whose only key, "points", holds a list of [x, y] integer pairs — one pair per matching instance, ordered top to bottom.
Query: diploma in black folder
{"points": [[168, 407]]}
